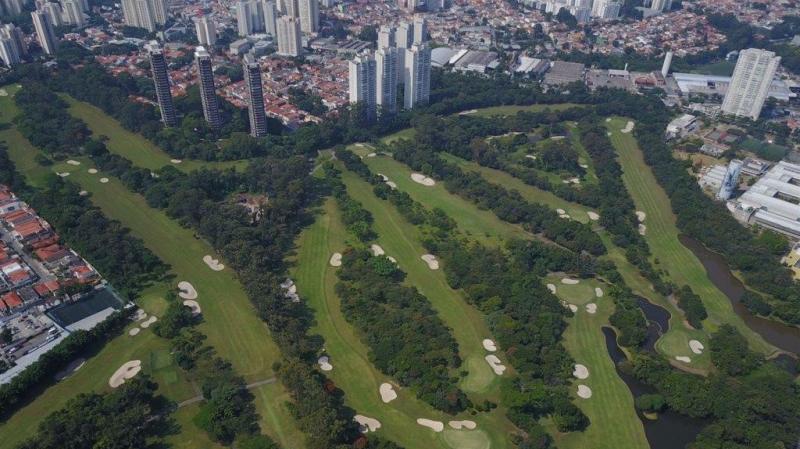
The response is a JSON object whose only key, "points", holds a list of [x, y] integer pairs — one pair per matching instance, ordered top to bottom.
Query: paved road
{"points": [[199, 398]]}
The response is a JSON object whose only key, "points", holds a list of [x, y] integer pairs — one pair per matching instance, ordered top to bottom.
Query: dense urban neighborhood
{"points": [[414, 224]]}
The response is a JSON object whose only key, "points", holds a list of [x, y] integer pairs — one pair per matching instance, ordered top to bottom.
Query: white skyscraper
{"points": [[661, 5], [12, 7], [289, 8], [606, 9], [160, 11], [54, 13], [74, 13], [147, 14], [309, 15], [244, 17], [270, 17], [420, 30], [206, 31], [44, 32], [16, 36], [386, 37], [404, 38], [289, 43], [8, 52], [417, 75], [386, 79], [362, 83], [749, 88]]}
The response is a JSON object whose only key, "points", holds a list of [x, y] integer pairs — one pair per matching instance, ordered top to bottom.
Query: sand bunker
{"points": [[3, 93], [471, 111], [608, 119], [628, 127], [372, 154], [530, 156], [175, 161], [73, 162], [585, 166], [92, 171], [63, 175], [383, 177], [419, 178], [103, 180], [574, 180], [391, 184], [83, 193], [561, 211], [564, 216], [594, 216], [641, 216], [642, 229], [377, 250], [430, 259], [336, 260], [394, 261], [213, 263], [570, 281], [552, 288], [187, 290], [598, 292], [194, 305], [573, 308], [591, 308], [139, 315], [145, 324], [133, 332], [489, 345], [696, 346], [683, 358], [324, 363], [496, 364], [127, 371], [580, 371], [584, 392], [387, 393], [367, 424], [465, 424], [436, 426]]}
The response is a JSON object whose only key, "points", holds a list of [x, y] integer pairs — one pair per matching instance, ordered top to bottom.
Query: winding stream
{"points": [[778, 334]]}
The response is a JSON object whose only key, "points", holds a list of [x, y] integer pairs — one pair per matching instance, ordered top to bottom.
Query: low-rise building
{"points": [[562, 72], [682, 126], [773, 201]]}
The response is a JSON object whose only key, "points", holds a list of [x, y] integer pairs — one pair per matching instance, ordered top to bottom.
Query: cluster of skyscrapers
{"points": [[12, 7], [583, 10], [68, 12], [147, 14], [47, 16], [285, 20], [12, 45], [403, 57], [208, 91]]}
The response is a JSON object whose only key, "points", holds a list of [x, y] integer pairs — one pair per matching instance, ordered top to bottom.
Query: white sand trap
{"points": [[3, 93], [471, 111], [608, 119], [628, 127], [608, 134], [557, 138], [372, 154], [530, 156], [175, 161], [73, 162], [584, 166], [92, 171], [63, 175], [383, 177], [419, 178], [103, 180], [574, 180], [391, 184], [83, 193], [561, 211], [564, 216], [594, 216], [641, 216], [642, 229], [377, 250], [430, 259], [336, 260], [394, 261], [213, 263], [570, 281], [552, 288], [187, 290], [598, 292], [194, 305], [573, 308], [591, 308], [139, 315], [146, 323], [133, 332], [489, 345], [696, 346], [683, 358], [325, 363], [496, 364], [127, 371], [580, 371], [387, 392], [584, 392], [367, 424], [465, 424], [436, 426]]}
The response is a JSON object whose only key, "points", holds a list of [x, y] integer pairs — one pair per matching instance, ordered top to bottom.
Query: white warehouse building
{"points": [[773, 201]]}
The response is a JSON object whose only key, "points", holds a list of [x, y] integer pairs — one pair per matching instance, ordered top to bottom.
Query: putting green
{"points": [[662, 236], [466, 439]]}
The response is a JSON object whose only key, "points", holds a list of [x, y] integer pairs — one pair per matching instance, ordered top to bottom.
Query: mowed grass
{"points": [[513, 109], [133, 146], [662, 236], [402, 240], [229, 323], [352, 370], [614, 423]]}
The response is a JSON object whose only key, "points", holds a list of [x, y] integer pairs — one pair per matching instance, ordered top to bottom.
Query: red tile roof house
{"points": [[51, 253], [84, 274], [45, 289], [12, 300]]}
